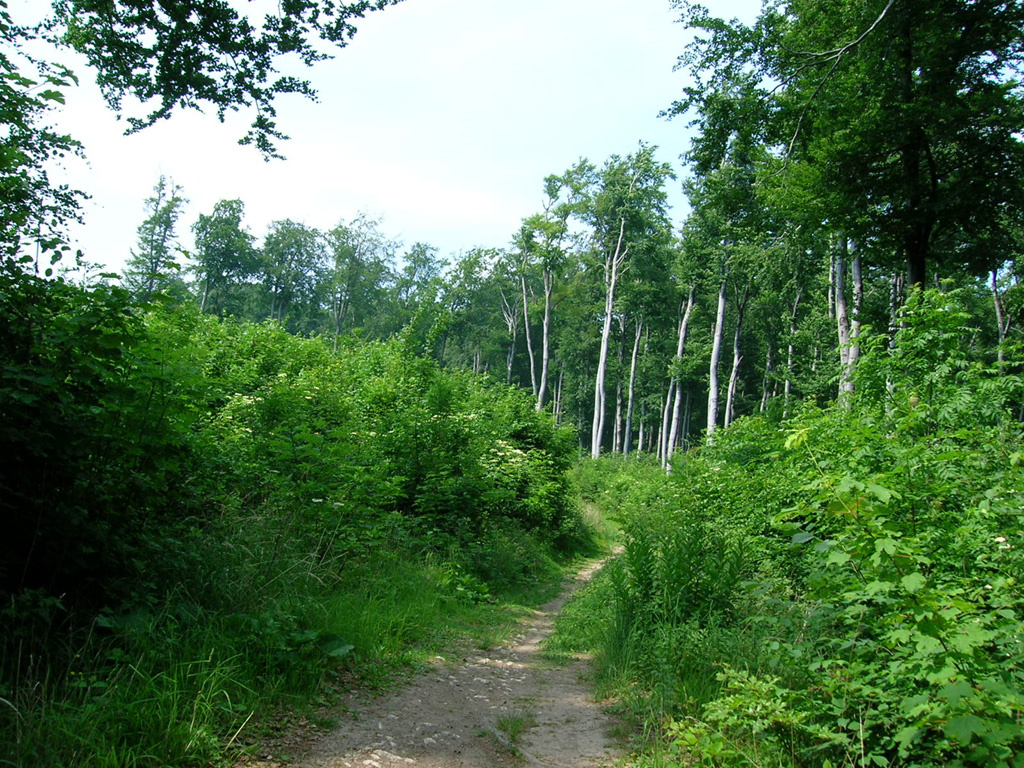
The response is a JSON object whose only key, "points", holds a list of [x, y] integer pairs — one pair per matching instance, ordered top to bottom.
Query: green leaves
{"points": [[194, 52]]}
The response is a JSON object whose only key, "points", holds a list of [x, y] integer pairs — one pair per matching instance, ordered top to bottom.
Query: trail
{"points": [[453, 715]]}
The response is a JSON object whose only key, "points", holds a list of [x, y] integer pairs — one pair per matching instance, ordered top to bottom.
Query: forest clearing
{"points": [[248, 484]]}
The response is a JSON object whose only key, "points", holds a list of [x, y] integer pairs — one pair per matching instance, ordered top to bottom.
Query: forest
{"points": [[249, 473]]}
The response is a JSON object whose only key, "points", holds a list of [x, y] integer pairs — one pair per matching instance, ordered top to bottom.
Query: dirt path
{"points": [[494, 709]]}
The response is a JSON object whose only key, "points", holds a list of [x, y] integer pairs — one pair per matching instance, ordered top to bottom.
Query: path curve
{"points": [[452, 716]]}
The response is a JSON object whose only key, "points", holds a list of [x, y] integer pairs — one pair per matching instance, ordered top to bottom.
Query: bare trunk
{"points": [[611, 271], [831, 285], [895, 302], [511, 314], [855, 315], [842, 321], [1002, 322], [684, 323], [529, 336], [545, 342], [791, 351], [716, 358], [737, 358], [766, 381], [632, 388], [558, 393], [688, 412], [643, 426], [617, 428], [663, 448]]}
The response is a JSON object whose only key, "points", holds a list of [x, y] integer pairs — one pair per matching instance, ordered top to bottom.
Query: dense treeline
{"points": [[842, 588]]}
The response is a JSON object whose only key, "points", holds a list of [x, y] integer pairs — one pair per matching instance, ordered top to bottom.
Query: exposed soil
{"points": [[503, 707]]}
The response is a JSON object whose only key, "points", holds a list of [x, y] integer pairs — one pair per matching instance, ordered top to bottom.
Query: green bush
{"points": [[874, 616]]}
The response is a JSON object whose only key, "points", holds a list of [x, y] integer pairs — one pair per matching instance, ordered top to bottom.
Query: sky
{"points": [[441, 118]]}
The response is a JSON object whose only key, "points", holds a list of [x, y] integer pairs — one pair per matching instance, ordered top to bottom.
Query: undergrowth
{"points": [[213, 518], [841, 589]]}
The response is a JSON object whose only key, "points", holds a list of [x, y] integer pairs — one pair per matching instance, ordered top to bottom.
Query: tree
{"points": [[184, 54], [910, 112], [625, 206], [34, 210], [544, 236], [224, 254], [292, 257], [360, 259], [153, 267]]}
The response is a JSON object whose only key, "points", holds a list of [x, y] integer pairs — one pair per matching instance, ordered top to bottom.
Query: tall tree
{"points": [[911, 112], [627, 211], [224, 255], [292, 258], [153, 266], [360, 266]]}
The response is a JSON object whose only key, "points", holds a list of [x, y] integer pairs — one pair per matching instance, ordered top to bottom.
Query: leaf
{"points": [[52, 95], [796, 439], [802, 538], [837, 557], [913, 582], [332, 645], [964, 728], [907, 736]]}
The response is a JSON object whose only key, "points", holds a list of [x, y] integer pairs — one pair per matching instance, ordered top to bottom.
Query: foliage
{"points": [[195, 53], [33, 208], [152, 268], [204, 514], [878, 616]]}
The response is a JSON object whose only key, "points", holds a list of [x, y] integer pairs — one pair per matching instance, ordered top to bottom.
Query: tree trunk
{"points": [[611, 272], [685, 311], [511, 314], [856, 314], [842, 321], [1002, 322], [529, 336], [545, 342], [791, 352], [716, 358], [737, 358], [766, 381], [632, 388], [558, 393], [688, 412], [643, 425], [617, 429], [663, 450]]}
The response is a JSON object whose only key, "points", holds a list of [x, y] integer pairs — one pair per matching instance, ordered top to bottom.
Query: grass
{"points": [[179, 685], [515, 724]]}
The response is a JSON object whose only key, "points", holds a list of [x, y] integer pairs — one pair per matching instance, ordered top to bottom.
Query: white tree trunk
{"points": [[611, 273], [511, 314], [842, 320], [1002, 321], [684, 323], [529, 336], [545, 342], [791, 351], [737, 358], [716, 359], [766, 381], [663, 432], [626, 446]]}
